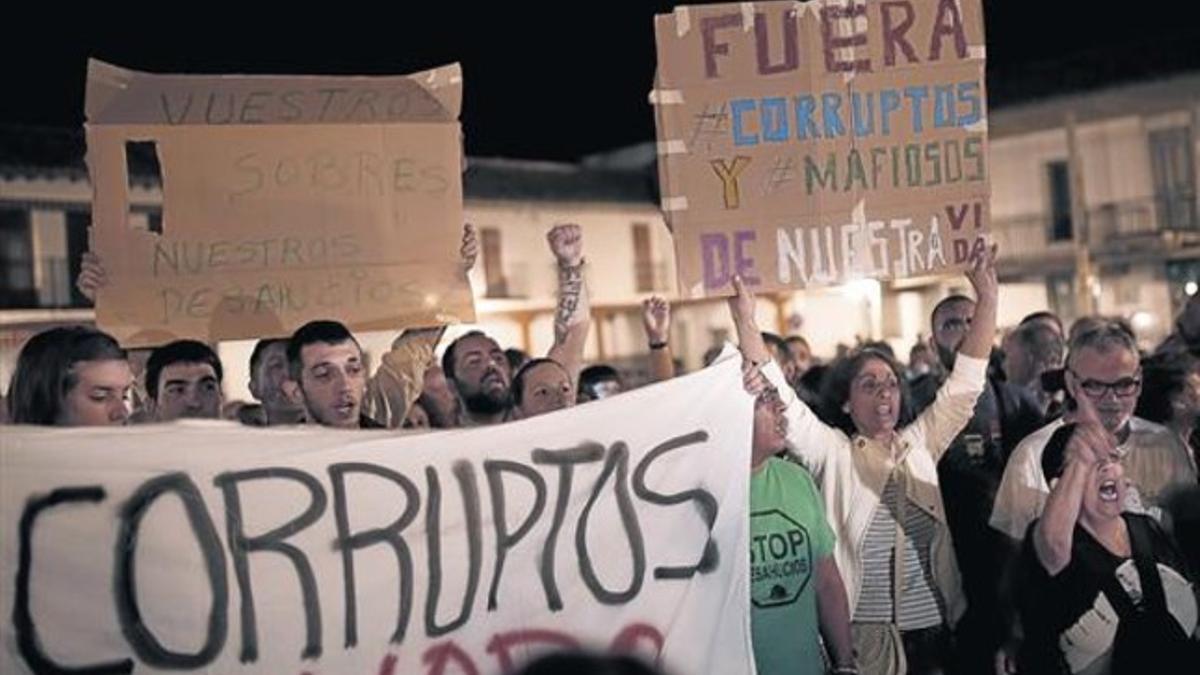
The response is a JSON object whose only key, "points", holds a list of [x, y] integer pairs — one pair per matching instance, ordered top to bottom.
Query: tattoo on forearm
{"points": [[570, 290]]}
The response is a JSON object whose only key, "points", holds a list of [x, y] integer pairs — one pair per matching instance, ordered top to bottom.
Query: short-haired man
{"points": [[1031, 351], [1103, 364], [477, 367], [268, 373], [328, 376], [183, 379], [599, 381], [969, 473]]}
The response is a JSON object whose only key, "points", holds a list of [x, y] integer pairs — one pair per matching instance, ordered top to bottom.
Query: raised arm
{"points": [[982, 275], [92, 276], [573, 314], [656, 319], [397, 383], [955, 402], [808, 437], [1089, 445]]}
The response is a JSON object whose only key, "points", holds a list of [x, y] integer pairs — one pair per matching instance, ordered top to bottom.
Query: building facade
{"points": [[1094, 205]]}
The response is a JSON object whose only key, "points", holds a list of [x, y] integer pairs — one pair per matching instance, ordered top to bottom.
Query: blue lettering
{"points": [[968, 92], [917, 96], [889, 102], [943, 106], [739, 107], [774, 115], [831, 115], [864, 122], [806, 125]]}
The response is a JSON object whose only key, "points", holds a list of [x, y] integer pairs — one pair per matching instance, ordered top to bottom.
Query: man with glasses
{"points": [[1103, 364], [1004, 415], [969, 474]]}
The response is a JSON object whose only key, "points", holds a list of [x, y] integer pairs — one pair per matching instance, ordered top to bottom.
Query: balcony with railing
{"points": [[1148, 216], [1112, 228], [1030, 238]]}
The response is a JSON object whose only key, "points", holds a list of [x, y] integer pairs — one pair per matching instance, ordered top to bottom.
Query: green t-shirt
{"points": [[788, 535]]}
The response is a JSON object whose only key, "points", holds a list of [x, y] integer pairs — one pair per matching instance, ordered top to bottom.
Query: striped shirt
{"points": [[919, 602]]}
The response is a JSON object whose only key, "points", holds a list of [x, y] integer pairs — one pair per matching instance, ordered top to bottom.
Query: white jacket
{"points": [[852, 472]]}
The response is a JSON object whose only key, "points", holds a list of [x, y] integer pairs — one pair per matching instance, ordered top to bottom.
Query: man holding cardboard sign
{"points": [[285, 199], [355, 401]]}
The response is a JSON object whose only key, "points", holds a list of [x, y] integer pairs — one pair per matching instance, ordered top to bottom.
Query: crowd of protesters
{"points": [[1019, 503]]}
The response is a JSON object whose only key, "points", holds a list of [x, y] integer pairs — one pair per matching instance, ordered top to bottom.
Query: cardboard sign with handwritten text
{"points": [[814, 143], [285, 199]]}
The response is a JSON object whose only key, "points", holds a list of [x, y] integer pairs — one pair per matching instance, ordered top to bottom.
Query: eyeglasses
{"points": [[871, 386], [1124, 387], [769, 397]]}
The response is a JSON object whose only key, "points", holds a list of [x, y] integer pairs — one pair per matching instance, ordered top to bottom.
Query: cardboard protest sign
{"points": [[813, 143], [285, 199], [205, 546]]}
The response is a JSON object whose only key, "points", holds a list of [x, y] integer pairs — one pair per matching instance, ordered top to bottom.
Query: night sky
{"points": [[557, 82]]}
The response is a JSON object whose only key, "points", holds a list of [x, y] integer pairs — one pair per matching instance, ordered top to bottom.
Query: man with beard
{"points": [[477, 367], [969, 474]]}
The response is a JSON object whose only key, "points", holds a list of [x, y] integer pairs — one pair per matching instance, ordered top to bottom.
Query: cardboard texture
{"points": [[815, 143], [285, 199]]}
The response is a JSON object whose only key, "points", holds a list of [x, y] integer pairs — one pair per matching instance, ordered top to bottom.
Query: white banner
{"points": [[618, 525]]}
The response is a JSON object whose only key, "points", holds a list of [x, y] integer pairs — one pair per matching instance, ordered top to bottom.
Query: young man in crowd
{"points": [[1031, 351], [477, 367], [268, 373], [327, 376], [183, 379], [396, 385], [969, 474]]}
